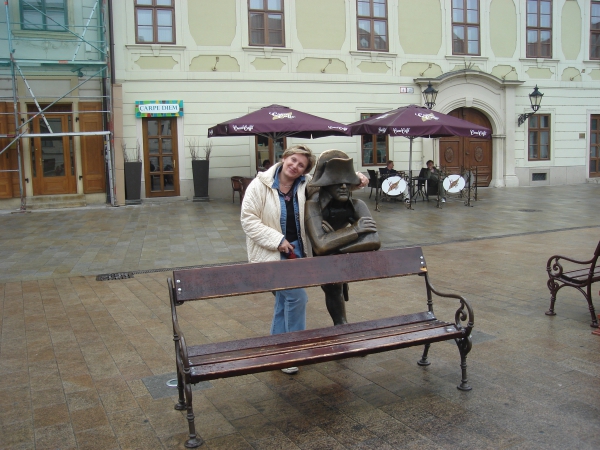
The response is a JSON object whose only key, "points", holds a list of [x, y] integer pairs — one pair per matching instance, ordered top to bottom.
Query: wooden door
{"points": [[595, 146], [92, 148], [459, 154], [53, 157], [160, 157], [9, 181]]}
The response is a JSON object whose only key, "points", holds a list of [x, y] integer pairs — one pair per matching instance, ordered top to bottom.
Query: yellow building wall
{"points": [[571, 25], [503, 28], [325, 30]]}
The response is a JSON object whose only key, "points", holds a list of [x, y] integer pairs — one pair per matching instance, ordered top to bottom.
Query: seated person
{"points": [[266, 164], [388, 169], [434, 180]]}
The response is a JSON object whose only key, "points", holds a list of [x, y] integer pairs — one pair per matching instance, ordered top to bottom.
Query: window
{"points": [[44, 15], [371, 16], [154, 22], [266, 22], [465, 27], [539, 28], [595, 30], [539, 137], [374, 147]]}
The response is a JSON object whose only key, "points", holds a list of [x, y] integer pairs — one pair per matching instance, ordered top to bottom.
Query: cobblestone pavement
{"points": [[78, 357]]}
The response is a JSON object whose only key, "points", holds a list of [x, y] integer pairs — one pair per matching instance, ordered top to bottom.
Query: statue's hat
{"points": [[334, 167]]}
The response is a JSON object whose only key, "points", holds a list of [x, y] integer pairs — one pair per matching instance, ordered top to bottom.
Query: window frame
{"points": [[154, 8], [44, 17], [372, 19], [465, 25], [539, 29], [266, 32], [594, 33], [539, 129], [364, 139]]}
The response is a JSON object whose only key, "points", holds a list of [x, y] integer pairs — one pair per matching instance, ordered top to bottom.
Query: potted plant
{"points": [[200, 168], [133, 174]]}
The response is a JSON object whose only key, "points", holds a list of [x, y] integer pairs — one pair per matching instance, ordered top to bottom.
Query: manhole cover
{"points": [[114, 276]]}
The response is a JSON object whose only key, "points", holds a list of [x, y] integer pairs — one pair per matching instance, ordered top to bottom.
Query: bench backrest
{"points": [[240, 279]]}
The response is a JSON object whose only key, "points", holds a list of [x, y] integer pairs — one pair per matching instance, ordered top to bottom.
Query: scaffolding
{"points": [[44, 43]]}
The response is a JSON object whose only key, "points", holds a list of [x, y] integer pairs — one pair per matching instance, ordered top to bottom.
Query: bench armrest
{"points": [[555, 268], [463, 313], [181, 353]]}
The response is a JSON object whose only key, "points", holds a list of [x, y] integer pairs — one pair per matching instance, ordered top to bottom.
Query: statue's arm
{"points": [[365, 242], [324, 243]]}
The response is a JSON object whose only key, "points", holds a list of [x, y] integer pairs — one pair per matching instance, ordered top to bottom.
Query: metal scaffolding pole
{"points": [[84, 30], [14, 64], [15, 110]]}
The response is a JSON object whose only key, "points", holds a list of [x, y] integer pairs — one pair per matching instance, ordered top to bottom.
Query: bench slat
{"points": [[581, 274], [221, 281], [307, 335], [301, 343], [296, 356]]}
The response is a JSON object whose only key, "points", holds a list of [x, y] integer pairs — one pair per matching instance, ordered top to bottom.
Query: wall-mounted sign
{"points": [[407, 90], [159, 108]]}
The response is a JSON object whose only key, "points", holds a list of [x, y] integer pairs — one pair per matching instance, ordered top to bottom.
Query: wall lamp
{"points": [[430, 94], [535, 98]]}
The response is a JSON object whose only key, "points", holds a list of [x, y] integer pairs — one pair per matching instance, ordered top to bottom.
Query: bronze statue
{"points": [[336, 223]]}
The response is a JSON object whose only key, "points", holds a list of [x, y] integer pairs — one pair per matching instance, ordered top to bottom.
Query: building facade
{"points": [[347, 59], [53, 71]]}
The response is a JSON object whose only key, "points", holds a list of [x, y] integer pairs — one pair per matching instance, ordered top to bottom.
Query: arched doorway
{"points": [[458, 154]]}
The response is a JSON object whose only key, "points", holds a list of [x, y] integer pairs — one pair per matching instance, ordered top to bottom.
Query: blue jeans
{"points": [[290, 307]]}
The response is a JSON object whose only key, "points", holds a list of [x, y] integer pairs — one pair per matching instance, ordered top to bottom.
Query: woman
{"points": [[273, 219]]}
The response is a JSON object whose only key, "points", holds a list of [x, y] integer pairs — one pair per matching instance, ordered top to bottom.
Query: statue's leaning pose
{"points": [[336, 223]]}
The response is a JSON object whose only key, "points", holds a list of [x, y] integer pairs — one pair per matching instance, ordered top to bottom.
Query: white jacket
{"points": [[260, 217]]}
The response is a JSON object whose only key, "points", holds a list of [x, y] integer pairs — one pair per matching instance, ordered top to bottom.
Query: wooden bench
{"points": [[581, 278], [228, 359]]}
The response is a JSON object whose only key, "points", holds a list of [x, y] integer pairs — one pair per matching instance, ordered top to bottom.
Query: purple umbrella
{"points": [[278, 121], [417, 121]]}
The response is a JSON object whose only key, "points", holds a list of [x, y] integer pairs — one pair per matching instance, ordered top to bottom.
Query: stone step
{"points": [[154, 200], [56, 201]]}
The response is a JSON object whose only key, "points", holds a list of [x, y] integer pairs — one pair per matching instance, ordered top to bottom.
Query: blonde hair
{"points": [[301, 150]]}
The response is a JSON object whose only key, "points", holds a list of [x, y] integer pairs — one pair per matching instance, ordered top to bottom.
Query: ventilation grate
{"points": [[538, 176], [114, 276]]}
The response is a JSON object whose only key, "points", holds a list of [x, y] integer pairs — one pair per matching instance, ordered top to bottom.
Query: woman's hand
{"points": [[285, 247]]}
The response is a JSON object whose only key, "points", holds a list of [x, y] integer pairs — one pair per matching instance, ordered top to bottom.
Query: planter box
{"points": [[200, 172], [133, 182]]}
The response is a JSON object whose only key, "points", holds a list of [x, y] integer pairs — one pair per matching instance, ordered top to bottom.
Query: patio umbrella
{"points": [[278, 121], [417, 121]]}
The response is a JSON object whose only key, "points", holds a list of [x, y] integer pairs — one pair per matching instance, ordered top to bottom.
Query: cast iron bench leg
{"points": [[553, 286], [588, 297], [464, 347], [423, 361], [180, 405], [193, 441]]}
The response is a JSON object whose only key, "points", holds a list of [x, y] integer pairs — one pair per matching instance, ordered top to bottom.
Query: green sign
{"points": [[159, 108]]}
